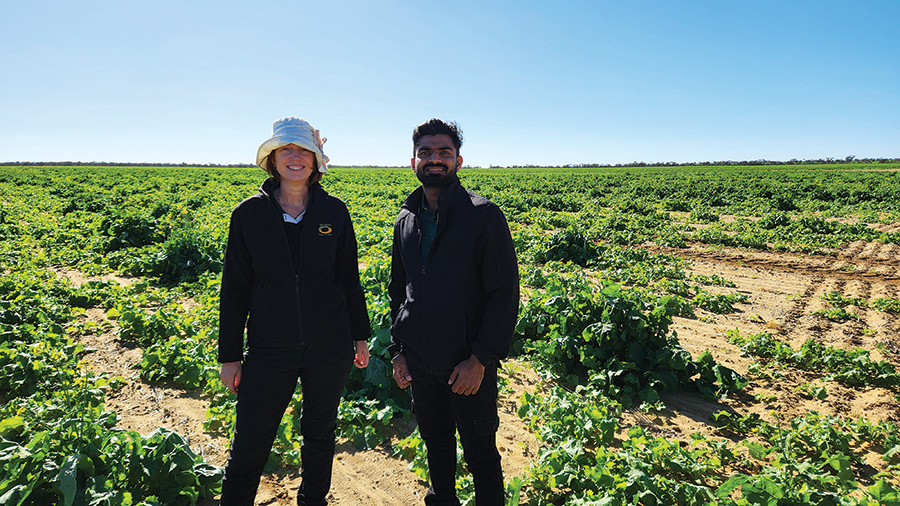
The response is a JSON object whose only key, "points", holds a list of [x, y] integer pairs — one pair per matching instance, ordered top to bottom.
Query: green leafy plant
{"points": [[851, 367]]}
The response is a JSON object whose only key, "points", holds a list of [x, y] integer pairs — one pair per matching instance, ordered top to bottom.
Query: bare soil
{"points": [[783, 289]]}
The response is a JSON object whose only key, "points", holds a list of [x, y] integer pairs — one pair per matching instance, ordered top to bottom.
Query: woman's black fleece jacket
{"points": [[283, 309]]}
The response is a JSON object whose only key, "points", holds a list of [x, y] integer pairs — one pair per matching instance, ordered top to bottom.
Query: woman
{"points": [[291, 278]]}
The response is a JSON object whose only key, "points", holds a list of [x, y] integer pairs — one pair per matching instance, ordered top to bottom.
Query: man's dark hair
{"points": [[435, 126]]}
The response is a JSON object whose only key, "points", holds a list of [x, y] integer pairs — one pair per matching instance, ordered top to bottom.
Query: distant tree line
{"points": [[792, 161], [122, 164]]}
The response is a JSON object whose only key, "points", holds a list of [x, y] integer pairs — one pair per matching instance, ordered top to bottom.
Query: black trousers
{"points": [[265, 391], [440, 414]]}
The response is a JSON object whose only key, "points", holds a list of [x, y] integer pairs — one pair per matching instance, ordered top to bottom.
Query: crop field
{"points": [[686, 336]]}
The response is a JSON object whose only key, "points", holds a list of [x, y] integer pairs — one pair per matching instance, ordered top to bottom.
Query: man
{"points": [[454, 295]]}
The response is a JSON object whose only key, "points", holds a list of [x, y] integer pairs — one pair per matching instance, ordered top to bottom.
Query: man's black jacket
{"points": [[464, 298]]}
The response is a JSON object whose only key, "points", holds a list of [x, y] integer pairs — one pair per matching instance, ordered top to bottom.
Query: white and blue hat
{"points": [[293, 131]]}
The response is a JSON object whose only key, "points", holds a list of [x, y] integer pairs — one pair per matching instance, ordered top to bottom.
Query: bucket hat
{"points": [[295, 131]]}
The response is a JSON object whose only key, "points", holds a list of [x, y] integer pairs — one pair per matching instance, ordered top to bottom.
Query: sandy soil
{"points": [[783, 289]]}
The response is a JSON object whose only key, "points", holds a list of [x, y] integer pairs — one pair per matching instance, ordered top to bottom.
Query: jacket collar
{"points": [[445, 201]]}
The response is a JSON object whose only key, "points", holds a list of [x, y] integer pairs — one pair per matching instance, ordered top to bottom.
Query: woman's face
{"points": [[294, 164]]}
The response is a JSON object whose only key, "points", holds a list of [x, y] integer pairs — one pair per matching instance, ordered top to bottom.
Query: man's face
{"points": [[436, 161]]}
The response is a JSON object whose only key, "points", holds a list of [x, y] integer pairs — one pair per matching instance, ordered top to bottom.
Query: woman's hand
{"points": [[362, 354], [230, 374]]}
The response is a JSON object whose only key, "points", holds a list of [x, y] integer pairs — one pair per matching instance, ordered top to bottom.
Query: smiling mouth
{"points": [[296, 167], [436, 168]]}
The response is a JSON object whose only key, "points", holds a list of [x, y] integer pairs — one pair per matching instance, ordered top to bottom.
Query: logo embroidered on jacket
{"points": [[325, 229]]}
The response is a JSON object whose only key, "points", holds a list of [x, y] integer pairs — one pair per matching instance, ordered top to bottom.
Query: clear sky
{"points": [[529, 82]]}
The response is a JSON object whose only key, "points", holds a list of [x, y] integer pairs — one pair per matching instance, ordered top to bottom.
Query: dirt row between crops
{"points": [[783, 289]]}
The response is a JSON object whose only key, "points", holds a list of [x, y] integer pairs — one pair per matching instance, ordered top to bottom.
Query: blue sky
{"points": [[543, 83]]}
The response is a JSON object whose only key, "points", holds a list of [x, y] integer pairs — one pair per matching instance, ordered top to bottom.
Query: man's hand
{"points": [[401, 372], [230, 374], [466, 377]]}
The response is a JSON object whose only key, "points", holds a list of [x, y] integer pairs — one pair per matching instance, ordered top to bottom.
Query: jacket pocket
{"points": [[254, 297]]}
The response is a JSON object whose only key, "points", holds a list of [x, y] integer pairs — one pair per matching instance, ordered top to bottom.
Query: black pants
{"points": [[265, 391], [440, 413]]}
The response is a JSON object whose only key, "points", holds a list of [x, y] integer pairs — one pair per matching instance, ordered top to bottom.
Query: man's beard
{"points": [[441, 180]]}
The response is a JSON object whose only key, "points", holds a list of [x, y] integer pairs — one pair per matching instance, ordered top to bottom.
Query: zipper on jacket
{"points": [[280, 220], [437, 233], [296, 280], [425, 300], [299, 312], [425, 347]]}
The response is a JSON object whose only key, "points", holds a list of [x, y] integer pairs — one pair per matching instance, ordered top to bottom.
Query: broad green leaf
{"points": [[68, 474]]}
